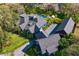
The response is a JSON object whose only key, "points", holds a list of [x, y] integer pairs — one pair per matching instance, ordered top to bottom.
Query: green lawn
{"points": [[16, 41]]}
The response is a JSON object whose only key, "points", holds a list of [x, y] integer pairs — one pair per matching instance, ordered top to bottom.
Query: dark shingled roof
{"points": [[40, 22], [23, 25], [62, 25], [67, 25], [32, 29], [45, 33], [49, 43]]}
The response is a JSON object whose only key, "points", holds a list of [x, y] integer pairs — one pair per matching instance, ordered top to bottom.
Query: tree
{"points": [[71, 10], [62, 15], [9, 16], [76, 17], [53, 20], [1, 39], [4, 39], [66, 41], [67, 46], [72, 50]]}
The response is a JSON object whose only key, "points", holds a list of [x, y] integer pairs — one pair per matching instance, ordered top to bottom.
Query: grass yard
{"points": [[76, 32], [16, 41], [72, 50]]}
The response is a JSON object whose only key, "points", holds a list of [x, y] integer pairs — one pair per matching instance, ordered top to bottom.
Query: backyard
{"points": [[16, 41]]}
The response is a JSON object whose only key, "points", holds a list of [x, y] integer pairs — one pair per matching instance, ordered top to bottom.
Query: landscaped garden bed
{"points": [[33, 51]]}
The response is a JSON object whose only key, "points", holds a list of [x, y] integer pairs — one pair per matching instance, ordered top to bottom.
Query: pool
{"points": [[43, 16]]}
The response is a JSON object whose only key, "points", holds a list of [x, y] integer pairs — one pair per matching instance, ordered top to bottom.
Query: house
{"points": [[47, 37]]}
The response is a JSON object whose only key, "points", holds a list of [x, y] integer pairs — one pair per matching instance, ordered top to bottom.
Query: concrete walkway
{"points": [[19, 52]]}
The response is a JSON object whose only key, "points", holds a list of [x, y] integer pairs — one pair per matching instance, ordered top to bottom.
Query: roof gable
{"points": [[40, 22], [62, 25], [65, 25], [69, 26], [32, 29], [50, 29], [46, 43]]}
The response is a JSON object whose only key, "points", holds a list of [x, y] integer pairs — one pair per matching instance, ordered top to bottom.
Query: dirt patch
{"points": [[76, 31]]}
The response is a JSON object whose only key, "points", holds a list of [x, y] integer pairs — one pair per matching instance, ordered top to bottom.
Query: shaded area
{"points": [[31, 49]]}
